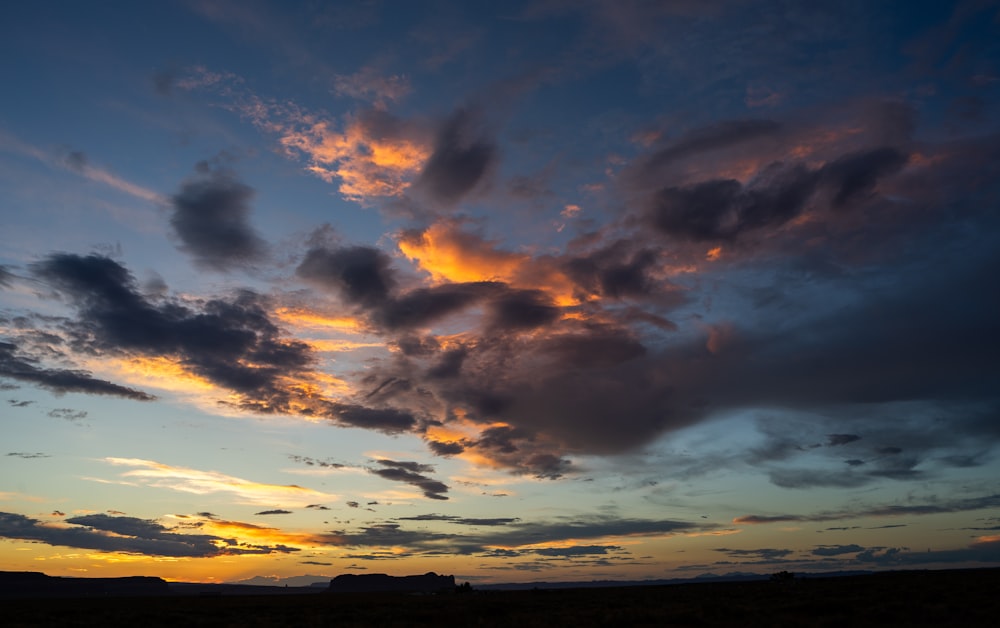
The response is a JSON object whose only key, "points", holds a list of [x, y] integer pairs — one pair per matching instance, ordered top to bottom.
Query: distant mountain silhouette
{"points": [[379, 582], [21, 584]]}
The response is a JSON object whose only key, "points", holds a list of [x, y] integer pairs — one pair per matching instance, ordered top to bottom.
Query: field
{"points": [[930, 598]]}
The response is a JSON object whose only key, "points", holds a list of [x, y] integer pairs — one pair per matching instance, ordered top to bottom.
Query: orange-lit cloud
{"points": [[366, 165], [450, 254], [304, 318], [336, 346], [159, 372], [184, 479], [264, 535]]}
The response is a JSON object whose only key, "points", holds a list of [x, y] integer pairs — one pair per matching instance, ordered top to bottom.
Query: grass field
{"points": [[928, 598]]}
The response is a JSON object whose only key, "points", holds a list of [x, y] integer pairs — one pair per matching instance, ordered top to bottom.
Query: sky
{"points": [[515, 291]]}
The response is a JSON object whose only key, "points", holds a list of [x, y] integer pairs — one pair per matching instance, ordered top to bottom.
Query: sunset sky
{"points": [[541, 290]]}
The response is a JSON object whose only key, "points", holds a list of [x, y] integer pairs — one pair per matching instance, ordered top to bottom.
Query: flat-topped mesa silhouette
{"points": [[379, 583], [34, 584]]}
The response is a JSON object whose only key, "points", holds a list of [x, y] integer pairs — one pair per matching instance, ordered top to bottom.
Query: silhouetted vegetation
{"points": [[782, 577]]}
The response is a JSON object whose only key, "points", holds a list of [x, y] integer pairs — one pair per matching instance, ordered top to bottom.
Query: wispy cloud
{"points": [[79, 163], [184, 479]]}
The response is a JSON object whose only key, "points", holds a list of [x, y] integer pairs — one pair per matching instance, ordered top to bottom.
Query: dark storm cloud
{"points": [[718, 136], [462, 157], [856, 174], [725, 209], [211, 218], [617, 271], [361, 275], [426, 305], [522, 309], [898, 338], [232, 343], [448, 365], [26, 369], [390, 420], [834, 440], [445, 449], [411, 473], [931, 507], [273, 512], [465, 521], [123, 534], [510, 534], [576, 550], [836, 550], [762, 554]]}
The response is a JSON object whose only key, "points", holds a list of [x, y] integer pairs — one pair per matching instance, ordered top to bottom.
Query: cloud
{"points": [[369, 84], [715, 137], [373, 154], [462, 158], [78, 163], [724, 209], [210, 217], [360, 275], [6, 277], [363, 277], [231, 343], [25, 368], [68, 414], [833, 440], [28, 456], [314, 462], [411, 473], [187, 480], [932, 507], [274, 512], [466, 521], [128, 535], [490, 536], [836, 550], [761, 554]]}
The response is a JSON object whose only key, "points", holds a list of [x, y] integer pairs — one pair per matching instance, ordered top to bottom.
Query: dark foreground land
{"points": [[925, 598]]}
